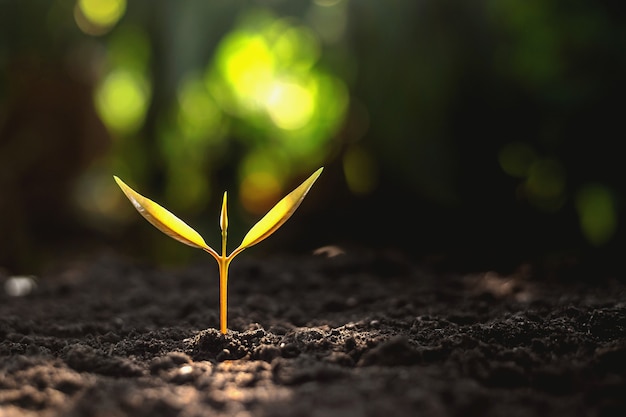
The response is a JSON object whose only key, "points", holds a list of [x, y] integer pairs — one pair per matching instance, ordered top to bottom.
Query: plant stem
{"points": [[223, 266]]}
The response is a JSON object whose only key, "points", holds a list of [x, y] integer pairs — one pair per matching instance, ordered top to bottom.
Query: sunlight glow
{"points": [[248, 67], [266, 76], [290, 105]]}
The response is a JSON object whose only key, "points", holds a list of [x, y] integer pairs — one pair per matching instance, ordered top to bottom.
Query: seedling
{"points": [[174, 227]]}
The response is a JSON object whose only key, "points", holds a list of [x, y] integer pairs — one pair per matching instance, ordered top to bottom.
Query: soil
{"points": [[357, 334]]}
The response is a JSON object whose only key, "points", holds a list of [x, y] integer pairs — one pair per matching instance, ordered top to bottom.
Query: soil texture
{"points": [[357, 334]]}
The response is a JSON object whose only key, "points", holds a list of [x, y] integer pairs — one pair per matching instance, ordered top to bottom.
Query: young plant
{"points": [[174, 227]]}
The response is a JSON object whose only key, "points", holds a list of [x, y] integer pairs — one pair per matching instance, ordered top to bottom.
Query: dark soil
{"points": [[352, 335]]}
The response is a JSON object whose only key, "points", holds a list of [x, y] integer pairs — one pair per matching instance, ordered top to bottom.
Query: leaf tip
{"points": [[121, 183], [224, 214]]}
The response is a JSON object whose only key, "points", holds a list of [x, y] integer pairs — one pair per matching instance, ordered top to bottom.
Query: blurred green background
{"points": [[485, 133]]}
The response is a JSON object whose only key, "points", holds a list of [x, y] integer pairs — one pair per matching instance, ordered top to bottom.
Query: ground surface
{"points": [[352, 335]]}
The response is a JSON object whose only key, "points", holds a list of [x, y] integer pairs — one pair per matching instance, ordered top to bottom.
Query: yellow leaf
{"points": [[278, 214], [162, 219]]}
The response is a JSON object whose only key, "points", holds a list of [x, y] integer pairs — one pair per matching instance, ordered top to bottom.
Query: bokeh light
{"points": [[97, 17], [329, 19], [266, 77], [123, 95], [122, 101], [290, 105], [199, 117], [516, 158], [360, 170], [262, 176], [543, 179], [545, 184], [258, 190], [597, 213], [20, 286]]}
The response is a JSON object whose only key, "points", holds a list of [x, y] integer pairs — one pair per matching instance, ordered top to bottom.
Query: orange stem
{"points": [[223, 266]]}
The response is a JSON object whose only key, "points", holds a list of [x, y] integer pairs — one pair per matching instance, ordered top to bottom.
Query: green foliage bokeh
{"points": [[493, 124]]}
